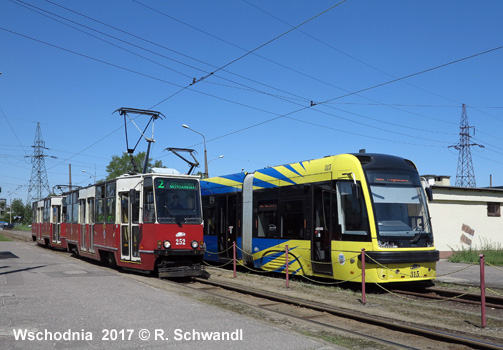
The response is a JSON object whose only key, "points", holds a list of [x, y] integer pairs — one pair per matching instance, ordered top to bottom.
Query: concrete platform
{"points": [[468, 274], [53, 301]]}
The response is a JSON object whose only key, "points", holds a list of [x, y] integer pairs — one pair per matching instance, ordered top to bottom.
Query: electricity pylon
{"points": [[465, 175], [39, 185]]}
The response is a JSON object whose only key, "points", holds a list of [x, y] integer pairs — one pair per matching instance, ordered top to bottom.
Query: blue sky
{"points": [[255, 109]]}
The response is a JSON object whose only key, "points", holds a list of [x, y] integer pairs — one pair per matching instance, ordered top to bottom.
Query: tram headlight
{"points": [[166, 244], [194, 244]]}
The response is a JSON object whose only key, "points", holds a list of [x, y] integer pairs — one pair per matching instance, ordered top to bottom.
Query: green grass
{"points": [[22, 228], [4, 239], [493, 254]]}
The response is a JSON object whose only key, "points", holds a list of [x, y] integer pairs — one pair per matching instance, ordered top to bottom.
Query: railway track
{"points": [[455, 296], [354, 324], [358, 324]]}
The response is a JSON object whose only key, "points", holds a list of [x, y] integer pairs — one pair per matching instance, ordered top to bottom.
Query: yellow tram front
{"points": [[401, 248]]}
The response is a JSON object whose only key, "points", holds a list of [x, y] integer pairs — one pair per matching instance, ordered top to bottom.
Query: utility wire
{"points": [[264, 44], [286, 67], [414, 74], [169, 97], [261, 123], [13, 131]]}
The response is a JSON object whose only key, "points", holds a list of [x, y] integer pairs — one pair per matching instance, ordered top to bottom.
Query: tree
{"points": [[122, 165], [18, 210], [28, 213]]}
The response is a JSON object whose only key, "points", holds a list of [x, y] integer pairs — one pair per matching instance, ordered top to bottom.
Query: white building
{"points": [[464, 218]]}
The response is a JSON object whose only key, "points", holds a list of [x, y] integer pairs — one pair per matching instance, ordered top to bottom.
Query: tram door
{"points": [[56, 219], [40, 220], [324, 222], [227, 225], [83, 226], [90, 226], [130, 229]]}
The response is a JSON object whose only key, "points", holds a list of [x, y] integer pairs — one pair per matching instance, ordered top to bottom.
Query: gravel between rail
{"points": [[446, 315]]}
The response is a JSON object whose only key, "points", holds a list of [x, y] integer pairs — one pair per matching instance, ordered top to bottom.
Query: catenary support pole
{"points": [[234, 256], [286, 267], [363, 277], [482, 291]]}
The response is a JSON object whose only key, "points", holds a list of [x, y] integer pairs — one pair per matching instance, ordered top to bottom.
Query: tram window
{"points": [[110, 203], [100, 204], [148, 206], [75, 207], [124, 208], [135, 209], [46, 210], [91, 210], [100, 210], [110, 210], [63, 211], [325, 212], [352, 212], [210, 215], [82, 216], [292, 219], [267, 226]]}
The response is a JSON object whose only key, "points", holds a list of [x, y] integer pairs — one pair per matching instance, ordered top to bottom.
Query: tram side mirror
{"points": [[355, 190], [429, 194], [132, 196]]}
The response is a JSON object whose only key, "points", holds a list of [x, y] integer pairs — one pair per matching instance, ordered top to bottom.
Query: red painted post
{"points": [[234, 256], [286, 265], [363, 277], [482, 291]]}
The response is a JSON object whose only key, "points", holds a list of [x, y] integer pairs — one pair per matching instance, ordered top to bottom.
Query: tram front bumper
{"points": [[178, 252]]}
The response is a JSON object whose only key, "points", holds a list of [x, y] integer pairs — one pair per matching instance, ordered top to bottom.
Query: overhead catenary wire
{"points": [[183, 88], [318, 103], [254, 125], [230, 126]]}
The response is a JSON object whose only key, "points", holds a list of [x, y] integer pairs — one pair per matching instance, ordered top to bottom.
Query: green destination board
{"points": [[166, 184]]}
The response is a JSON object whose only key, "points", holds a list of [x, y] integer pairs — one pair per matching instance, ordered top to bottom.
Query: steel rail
{"points": [[455, 296], [374, 320]]}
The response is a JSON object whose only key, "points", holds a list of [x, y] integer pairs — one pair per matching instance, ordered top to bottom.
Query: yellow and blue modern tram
{"points": [[326, 210]]}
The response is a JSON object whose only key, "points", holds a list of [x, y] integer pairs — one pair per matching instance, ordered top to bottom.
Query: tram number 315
{"points": [[180, 241], [414, 274]]}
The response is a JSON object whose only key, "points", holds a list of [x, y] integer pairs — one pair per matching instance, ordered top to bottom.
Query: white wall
{"points": [[460, 221]]}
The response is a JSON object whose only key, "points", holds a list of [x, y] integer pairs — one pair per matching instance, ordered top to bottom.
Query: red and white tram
{"points": [[148, 222]]}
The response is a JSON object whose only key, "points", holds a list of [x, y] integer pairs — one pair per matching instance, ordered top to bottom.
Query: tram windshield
{"points": [[177, 201], [400, 209]]}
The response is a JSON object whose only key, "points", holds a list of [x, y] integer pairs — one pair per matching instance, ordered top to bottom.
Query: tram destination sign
{"points": [[391, 178], [175, 185]]}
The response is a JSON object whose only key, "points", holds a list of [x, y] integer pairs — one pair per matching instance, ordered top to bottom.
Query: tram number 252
{"points": [[180, 241]]}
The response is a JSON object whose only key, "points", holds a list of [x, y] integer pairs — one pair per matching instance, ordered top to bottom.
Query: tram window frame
{"points": [[278, 198], [110, 202], [148, 202], [47, 204], [68, 204], [72, 204], [100, 204], [135, 209], [267, 209], [63, 210], [91, 210], [325, 210], [82, 211], [34, 212], [210, 212], [292, 217], [214, 224], [363, 232]]}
